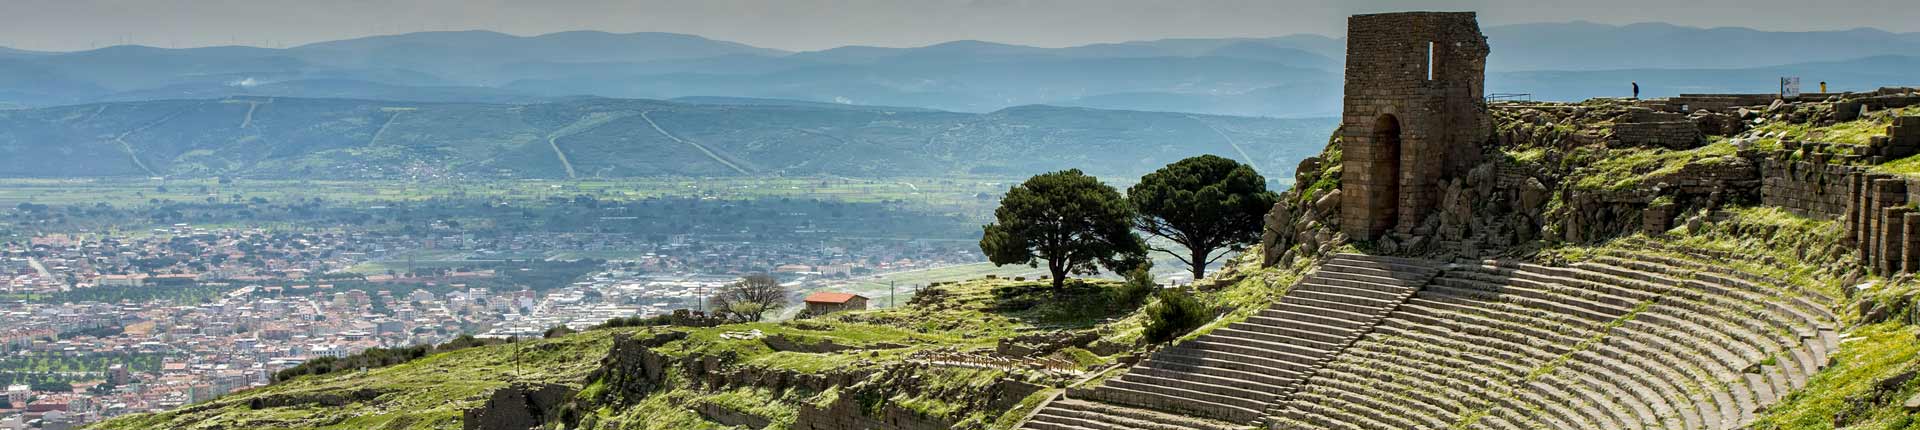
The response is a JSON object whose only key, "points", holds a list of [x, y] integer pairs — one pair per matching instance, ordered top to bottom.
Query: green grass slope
{"points": [[429, 393]]}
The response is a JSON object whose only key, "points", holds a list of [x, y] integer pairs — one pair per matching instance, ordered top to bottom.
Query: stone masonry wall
{"points": [[1412, 115], [1665, 130], [1813, 190], [1873, 207], [1874, 215], [732, 418]]}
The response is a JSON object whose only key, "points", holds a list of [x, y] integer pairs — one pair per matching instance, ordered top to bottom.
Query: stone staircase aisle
{"points": [[1234, 373]]}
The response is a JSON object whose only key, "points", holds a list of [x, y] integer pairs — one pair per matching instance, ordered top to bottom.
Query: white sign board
{"points": [[1790, 87]]}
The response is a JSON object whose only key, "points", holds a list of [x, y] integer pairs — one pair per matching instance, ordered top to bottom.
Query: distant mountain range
{"points": [[1282, 76], [592, 137]]}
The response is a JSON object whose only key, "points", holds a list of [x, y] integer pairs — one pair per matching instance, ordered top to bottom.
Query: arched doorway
{"points": [[1386, 172]]}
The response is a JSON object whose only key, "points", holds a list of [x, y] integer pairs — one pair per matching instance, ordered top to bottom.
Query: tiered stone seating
{"points": [[1623, 341], [1233, 373], [1070, 414]]}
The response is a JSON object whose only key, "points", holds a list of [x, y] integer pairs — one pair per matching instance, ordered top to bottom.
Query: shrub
{"points": [[1137, 289], [1175, 314], [557, 331], [378, 357]]}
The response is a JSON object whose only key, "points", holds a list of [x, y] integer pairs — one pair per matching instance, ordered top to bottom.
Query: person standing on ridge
{"points": [[1636, 90]]}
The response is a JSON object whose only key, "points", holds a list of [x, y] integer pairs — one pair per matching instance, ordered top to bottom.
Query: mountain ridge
{"points": [[1247, 76]]}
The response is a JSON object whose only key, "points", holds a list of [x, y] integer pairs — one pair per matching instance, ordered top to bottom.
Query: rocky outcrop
{"points": [[1506, 205], [1597, 214], [1305, 222], [781, 342], [1043, 343], [630, 372], [313, 399], [864, 405], [518, 407], [846, 413], [732, 418]]}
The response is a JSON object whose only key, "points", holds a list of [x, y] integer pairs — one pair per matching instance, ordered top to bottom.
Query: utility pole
{"points": [[890, 294]]}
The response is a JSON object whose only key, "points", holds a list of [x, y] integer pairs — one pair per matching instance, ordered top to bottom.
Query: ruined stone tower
{"points": [[1413, 115]]}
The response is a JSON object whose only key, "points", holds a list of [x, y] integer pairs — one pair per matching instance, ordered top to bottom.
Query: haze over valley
{"points": [[1282, 76]]}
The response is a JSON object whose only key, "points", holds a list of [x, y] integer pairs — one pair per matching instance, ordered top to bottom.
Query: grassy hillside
{"points": [[605, 138], [880, 358], [429, 393]]}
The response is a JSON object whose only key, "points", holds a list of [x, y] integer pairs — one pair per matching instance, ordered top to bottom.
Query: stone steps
{"points": [[1714, 261], [1574, 281], [1796, 303], [1323, 317], [1802, 322], [1761, 328], [1740, 329], [1425, 334], [1766, 334], [1323, 337], [1623, 341], [1279, 343], [1633, 343], [1663, 360], [1203, 366], [1235, 373], [1214, 382], [1638, 384], [1194, 388], [1170, 400], [1433, 402], [1073, 414]]}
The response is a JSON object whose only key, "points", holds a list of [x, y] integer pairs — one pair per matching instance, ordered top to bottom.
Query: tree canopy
{"points": [[1203, 203], [1072, 221], [751, 297]]}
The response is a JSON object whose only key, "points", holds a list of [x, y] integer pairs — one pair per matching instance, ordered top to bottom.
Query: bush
{"points": [[1137, 289], [1175, 314], [557, 331], [378, 357]]}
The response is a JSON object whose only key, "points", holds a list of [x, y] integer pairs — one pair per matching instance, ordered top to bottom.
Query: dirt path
{"points": [[253, 105], [96, 114], [582, 125], [383, 127], [552, 141], [1236, 145], [128, 147], [702, 148], [41, 268]]}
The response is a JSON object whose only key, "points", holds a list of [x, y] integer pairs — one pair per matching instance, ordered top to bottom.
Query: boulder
{"points": [[1307, 172], [1533, 196], [1329, 203]]}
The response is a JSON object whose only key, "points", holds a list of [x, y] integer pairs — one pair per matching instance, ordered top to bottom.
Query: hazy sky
{"points": [[818, 24]]}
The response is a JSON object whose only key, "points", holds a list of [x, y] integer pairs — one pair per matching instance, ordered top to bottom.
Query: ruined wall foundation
{"points": [[1817, 180]]}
